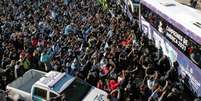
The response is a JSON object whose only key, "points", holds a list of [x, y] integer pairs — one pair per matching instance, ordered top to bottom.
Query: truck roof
{"points": [[55, 81]]}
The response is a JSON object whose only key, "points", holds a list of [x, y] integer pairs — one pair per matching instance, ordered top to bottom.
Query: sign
{"points": [[177, 38], [99, 97]]}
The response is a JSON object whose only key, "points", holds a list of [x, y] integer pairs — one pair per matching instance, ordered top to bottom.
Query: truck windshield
{"points": [[76, 91]]}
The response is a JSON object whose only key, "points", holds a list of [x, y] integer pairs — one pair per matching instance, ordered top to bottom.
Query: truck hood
{"points": [[96, 94]]}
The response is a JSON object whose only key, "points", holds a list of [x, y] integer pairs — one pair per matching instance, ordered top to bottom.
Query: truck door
{"points": [[39, 94]]}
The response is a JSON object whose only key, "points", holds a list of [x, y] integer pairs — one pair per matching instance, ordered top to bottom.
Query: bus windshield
{"points": [[76, 91]]}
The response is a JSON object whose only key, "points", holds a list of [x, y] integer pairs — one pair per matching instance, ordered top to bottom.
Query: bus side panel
{"points": [[186, 68]]}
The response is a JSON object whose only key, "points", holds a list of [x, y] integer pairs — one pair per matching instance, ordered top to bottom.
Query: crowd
{"points": [[102, 47]]}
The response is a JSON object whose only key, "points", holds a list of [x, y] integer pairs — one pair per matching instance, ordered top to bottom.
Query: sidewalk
{"points": [[187, 2]]}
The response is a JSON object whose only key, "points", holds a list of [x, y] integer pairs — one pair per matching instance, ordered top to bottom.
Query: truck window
{"points": [[76, 91], [40, 93], [52, 95]]}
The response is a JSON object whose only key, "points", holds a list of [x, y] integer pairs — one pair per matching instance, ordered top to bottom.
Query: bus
{"points": [[176, 29]]}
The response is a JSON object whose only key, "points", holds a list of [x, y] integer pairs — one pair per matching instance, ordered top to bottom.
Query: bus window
{"points": [[150, 16], [156, 21], [162, 26], [194, 52], [196, 56]]}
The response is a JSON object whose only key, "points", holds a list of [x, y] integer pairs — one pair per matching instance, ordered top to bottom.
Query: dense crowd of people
{"points": [[102, 47]]}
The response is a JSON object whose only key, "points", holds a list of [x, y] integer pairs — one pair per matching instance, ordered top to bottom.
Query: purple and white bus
{"points": [[176, 29]]}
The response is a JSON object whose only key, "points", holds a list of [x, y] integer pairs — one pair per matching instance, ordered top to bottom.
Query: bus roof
{"points": [[181, 16]]}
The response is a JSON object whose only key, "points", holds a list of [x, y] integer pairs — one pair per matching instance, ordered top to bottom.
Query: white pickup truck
{"points": [[36, 85]]}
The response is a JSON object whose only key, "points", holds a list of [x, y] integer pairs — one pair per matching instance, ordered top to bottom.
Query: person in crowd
{"points": [[78, 37]]}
